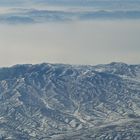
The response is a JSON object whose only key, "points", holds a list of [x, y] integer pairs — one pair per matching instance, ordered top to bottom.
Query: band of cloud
{"points": [[42, 16]]}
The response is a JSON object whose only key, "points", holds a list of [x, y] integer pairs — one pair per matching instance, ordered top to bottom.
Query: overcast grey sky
{"points": [[74, 42]]}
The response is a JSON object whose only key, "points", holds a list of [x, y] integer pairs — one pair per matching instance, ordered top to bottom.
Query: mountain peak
{"points": [[118, 64]]}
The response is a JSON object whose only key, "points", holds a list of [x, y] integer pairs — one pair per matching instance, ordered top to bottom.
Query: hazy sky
{"points": [[75, 42]]}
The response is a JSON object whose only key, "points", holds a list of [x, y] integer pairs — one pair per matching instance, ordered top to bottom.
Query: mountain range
{"points": [[65, 102]]}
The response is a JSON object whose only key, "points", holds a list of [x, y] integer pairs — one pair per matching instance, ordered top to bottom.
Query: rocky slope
{"points": [[56, 101]]}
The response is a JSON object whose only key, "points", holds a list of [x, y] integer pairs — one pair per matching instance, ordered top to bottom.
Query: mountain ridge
{"points": [[60, 101]]}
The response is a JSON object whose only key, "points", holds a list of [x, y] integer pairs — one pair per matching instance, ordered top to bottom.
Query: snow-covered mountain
{"points": [[64, 102]]}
